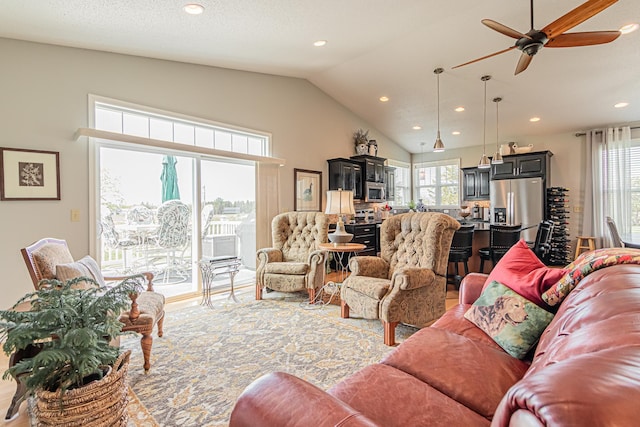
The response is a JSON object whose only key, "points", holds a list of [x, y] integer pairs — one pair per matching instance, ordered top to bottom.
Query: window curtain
{"points": [[608, 191]]}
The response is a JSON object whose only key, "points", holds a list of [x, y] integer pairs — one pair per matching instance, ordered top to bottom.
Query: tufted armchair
{"points": [[295, 262], [407, 283]]}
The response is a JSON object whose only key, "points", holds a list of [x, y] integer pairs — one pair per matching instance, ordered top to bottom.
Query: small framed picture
{"points": [[29, 174], [308, 190]]}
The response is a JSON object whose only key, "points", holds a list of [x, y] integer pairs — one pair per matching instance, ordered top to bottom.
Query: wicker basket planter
{"points": [[101, 403]]}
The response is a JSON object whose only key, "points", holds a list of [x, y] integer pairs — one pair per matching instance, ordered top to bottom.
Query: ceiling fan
{"points": [[553, 35]]}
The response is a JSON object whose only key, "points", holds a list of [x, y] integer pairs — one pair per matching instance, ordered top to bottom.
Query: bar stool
{"points": [[501, 238], [585, 242], [460, 252]]}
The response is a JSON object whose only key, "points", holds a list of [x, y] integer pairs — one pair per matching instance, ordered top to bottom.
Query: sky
{"points": [[139, 175]]}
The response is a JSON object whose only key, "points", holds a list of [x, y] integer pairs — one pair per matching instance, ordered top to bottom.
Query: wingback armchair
{"points": [[51, 259], [295, 262], [407, 283]]}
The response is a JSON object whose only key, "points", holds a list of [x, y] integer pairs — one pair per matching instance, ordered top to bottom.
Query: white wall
{"points": [[44, 92]]}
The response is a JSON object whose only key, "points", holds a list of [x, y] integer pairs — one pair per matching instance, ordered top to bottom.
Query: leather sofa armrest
{"points": [[370, 266], [412, 278], [471, 287], [572, 392], [279, 399]]}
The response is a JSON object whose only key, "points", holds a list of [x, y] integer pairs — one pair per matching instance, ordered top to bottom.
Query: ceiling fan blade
{"points": [[576, 16], [503, 29], [583, 39], [485, 57], [523, 63]]}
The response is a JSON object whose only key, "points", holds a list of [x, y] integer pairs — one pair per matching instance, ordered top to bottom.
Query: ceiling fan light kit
{"points": [[554, 34], [438, 147], [497, 157], [484, 160]]}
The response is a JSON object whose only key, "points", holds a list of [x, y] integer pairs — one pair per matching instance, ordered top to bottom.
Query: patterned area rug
{"points": [[209, 355]]}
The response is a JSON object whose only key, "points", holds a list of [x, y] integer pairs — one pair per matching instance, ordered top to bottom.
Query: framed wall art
{"points": [[29, 174], [307, 190]]}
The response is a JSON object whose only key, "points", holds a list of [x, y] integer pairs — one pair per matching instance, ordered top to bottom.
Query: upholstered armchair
{"points": [[51, 259], [295, 262], [407, 283]]}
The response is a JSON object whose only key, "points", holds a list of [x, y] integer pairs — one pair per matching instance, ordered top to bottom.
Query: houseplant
{"points": [[76, 374]]}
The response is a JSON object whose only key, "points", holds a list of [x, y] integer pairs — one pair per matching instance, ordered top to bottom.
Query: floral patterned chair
{"points": [[295, 262], [407, 283]]}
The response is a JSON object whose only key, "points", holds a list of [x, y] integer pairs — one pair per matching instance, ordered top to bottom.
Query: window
{"points": [[129, 121], [621, 166], [437, 183], [402, 184], [162, 211]]}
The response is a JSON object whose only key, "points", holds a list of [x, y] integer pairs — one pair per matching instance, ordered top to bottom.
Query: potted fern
{"points": [[76, 374]]}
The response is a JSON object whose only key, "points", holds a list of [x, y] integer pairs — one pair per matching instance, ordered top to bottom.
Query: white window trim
{"points": [[267, 168]]}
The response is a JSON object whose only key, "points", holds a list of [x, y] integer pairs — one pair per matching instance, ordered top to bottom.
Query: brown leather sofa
{"points": [[584, 371]]}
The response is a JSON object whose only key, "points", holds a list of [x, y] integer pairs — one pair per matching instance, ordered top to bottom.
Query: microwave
{"points": [[374, 192]]}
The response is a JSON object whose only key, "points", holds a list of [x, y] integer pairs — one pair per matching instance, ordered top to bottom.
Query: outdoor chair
{"points": [[174, 236], [615, 236], [115, 240], [50, 258], [294, 262], [407, 283]]}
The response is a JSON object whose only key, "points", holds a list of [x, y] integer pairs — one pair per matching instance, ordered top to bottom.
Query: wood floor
{"points": [[8, 388]]}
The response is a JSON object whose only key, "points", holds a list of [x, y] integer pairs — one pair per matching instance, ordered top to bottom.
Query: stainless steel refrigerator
{"points": [[518, 201]]}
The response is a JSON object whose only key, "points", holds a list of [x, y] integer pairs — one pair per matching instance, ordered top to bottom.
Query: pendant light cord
{"points": [[438, 96], [484, 135], [497, 138]]}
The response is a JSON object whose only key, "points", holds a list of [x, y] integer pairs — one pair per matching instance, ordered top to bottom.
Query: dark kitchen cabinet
{"points": [[530, 165], [373, 167], [347, 175], [475, 183], [364, 234]]}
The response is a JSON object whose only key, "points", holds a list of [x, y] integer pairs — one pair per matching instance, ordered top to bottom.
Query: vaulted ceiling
{"points": [[375, 48]]}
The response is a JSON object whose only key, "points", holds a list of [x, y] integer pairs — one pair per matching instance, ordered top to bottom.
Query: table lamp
{"points": [[340, 203]]}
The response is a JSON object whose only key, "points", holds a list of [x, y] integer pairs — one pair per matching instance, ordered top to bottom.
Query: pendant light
{"points": [[438, 147], [497, 158], [484, 160]]}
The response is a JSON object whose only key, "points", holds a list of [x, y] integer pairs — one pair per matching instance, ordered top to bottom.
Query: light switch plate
{"points": [[75, 215]]}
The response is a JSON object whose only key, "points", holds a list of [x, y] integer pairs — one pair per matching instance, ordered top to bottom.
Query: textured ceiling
{"points": [[375, 48]]}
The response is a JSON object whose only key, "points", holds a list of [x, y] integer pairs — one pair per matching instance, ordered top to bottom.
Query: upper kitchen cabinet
{"points": [[528, 165], [373, 167], [347, 175], [475, 183]]}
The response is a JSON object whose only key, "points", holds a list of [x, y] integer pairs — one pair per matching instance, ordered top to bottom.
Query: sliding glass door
{"points": [[150, 218]]}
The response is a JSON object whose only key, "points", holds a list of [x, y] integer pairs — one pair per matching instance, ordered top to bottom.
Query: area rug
{"points": [[209, 355]]}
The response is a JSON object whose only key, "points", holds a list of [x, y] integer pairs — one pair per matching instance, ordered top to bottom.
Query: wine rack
{"points": [[557, 211]]}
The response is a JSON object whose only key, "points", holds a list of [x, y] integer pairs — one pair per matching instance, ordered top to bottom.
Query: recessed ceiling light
{"points": [[193, 8], [629, 28], [319, 43], [384, 99], [621, 104], [459, 109], [534, 119], [416, 127], [455, 132]]}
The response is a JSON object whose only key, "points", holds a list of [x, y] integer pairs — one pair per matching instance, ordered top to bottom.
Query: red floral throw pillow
{"points": [[523, 272]]}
